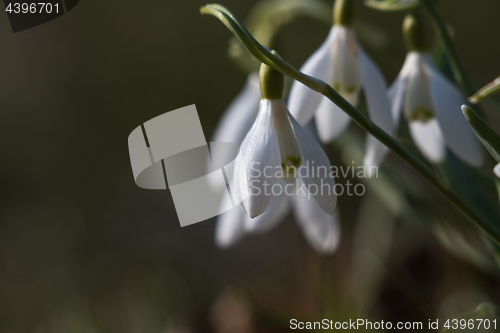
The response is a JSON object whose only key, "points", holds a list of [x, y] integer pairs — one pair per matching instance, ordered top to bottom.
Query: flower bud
{"points": [[343, 12], [414, 33]]}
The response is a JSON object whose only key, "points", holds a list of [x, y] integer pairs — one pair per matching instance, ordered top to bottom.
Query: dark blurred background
{"points": [[83, 249]]}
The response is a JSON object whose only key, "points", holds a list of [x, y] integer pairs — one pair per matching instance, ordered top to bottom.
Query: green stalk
{"points": [[264, 55], [456, 64]]}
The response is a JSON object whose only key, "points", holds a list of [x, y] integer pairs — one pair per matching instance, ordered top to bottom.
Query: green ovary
{"points": [[343, 88], [350, 89], [422, 114], [289, 165]]}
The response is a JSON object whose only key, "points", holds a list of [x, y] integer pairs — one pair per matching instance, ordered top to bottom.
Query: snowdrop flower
{"points": [[341, 62], [431, 103], [234, 125], [277, 148], [321, 229]]}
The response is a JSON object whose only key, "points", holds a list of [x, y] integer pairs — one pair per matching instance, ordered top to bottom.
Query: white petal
{"points": [[346, 72], [345, 79], [375, 89], [397, 90], [396, 96], [418, 100], [303, 101], [379, 108], [420, 112], [240, 115], [237, 119], [331, 121], [311, 128], [457, 133], [429, 139], [289, 149], [375, 153], [315, 169], [496, 170], [255, 171], [278, 210], [229, 227], [321, 230]]}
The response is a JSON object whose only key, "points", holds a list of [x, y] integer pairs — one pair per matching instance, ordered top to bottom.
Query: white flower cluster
{"points": [[430, 104]]}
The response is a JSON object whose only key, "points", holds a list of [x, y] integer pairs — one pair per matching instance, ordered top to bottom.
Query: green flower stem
{"points": [[456, 64], [490, 228]]}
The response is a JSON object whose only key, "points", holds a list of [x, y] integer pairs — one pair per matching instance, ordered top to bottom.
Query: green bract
{"points": [[393, 5], [343, 13], [414, 32], [271, 83], [488, 90], [489, 138]]}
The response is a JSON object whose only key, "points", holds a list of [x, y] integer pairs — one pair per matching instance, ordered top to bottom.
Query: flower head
{"points": [[341, 62], [431, 104], [277, 148], [322, 230]]}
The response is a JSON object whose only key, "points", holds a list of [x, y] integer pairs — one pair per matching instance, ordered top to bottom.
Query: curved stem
{"points": [[265, 56], [456, 64]]}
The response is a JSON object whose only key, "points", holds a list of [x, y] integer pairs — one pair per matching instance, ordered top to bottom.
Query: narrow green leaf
{"points": [[393, 5], [486, 91], [488, 137], [484, 318]]}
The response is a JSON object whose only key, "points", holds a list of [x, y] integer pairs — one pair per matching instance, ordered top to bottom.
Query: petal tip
{"points": [[496, 170]]}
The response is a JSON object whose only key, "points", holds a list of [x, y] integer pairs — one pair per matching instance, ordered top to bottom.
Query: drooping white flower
{"points": [[342, 63], [431, 104], [236, 122], [234, 125], [276, 148], [234, 224]]}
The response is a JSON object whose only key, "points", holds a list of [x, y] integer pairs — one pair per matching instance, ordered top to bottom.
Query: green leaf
{"points": [[393, 5], [486, 91], [488, 137], [484, 312]]}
